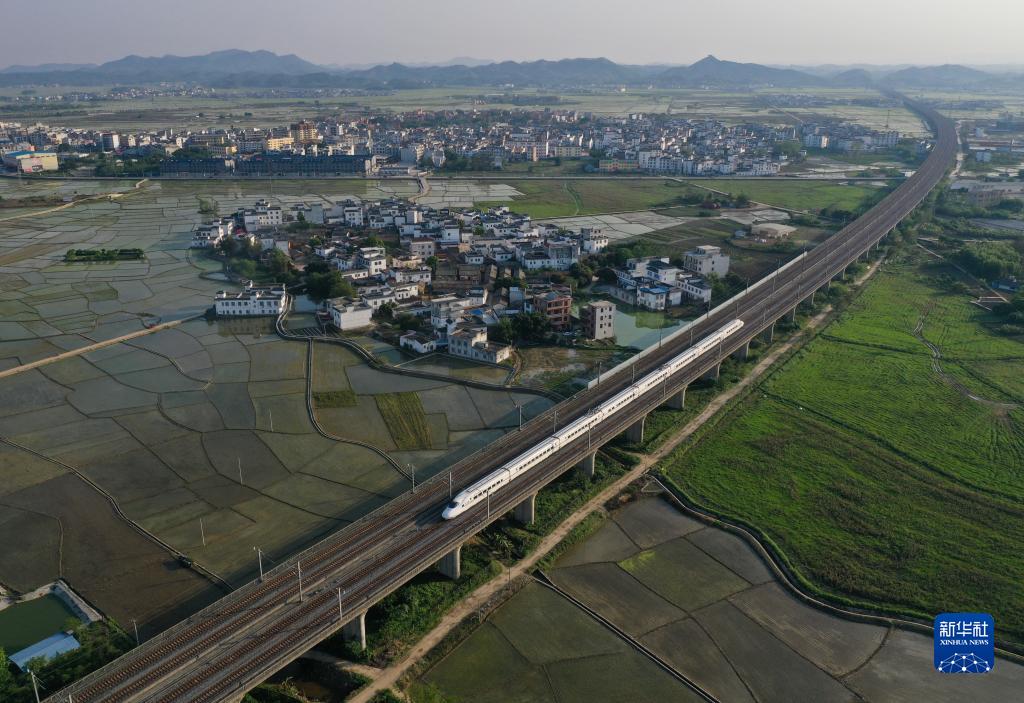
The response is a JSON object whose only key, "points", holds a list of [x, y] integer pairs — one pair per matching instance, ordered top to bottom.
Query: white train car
{"points": [[479, 491]]}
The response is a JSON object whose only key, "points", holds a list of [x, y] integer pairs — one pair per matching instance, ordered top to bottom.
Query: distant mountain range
{"points": [[48, 68], [238, 68]]}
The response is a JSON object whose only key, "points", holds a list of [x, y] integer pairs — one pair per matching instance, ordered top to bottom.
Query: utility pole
{"points": [[599, 374], [520, 409], [271, 411], [554, 422], [412, 473], [240, 481], [449, 484], [488, 502], [202, 531], [259, 560], [298, 565], [341, 615], [136, 626], [35, 684]]}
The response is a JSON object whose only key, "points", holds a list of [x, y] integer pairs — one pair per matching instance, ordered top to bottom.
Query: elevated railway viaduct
{"points": [[224, 650]]}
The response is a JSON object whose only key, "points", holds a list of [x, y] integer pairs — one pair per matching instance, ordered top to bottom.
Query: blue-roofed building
{"points": [[31, 161], [49, 648]]}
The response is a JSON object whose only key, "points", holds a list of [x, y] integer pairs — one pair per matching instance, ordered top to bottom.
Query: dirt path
{"points": [[424, 185], [92, 347], [389, 676]]}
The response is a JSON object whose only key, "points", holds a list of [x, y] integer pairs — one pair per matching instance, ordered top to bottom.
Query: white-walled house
{"points": [[209, 235], [252, 301], [348, 314], [417, 342], [471, 343]]}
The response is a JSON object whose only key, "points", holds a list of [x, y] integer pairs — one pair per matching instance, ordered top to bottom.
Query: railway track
{"points": [[227, 647]]}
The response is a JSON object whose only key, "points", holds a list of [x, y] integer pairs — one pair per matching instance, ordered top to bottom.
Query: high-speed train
{"points": [[479, 491]]}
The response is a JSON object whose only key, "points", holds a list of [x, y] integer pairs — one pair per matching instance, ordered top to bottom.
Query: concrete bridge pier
{"points": [[810, 299], [791, 315], [768, 334], [743, 352], [712, 373], [677, 401], [635, 432], [586, 465], [526, 512], [451, 564], [355, 630]]}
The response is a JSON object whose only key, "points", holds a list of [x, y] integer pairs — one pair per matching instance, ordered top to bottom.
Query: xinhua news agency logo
{"points": [[964, 643]]}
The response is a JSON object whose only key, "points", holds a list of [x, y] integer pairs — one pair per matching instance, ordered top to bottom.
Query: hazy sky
{"points": [[629, 31]]}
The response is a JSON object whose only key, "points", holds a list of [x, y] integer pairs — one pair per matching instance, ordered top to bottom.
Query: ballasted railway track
{"points": [[247, 632]]}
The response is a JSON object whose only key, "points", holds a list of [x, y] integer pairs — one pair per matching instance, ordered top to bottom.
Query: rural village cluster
{"points": [[459, 256]]}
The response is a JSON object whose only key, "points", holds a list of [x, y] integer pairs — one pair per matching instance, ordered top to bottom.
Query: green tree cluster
{"points": [[990, 260], [321, 286]]}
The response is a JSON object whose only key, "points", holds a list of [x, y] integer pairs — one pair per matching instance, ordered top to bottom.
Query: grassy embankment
{"points": [[870, 467]]}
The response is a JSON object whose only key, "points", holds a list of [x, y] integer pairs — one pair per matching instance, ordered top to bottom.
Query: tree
{"points": [[742, 200], [228, 246], [990, 260], [432, 263], [279, 265], [317, 267], [245, 268], [582, 273], [606, 275], [327, 285], [385, 312], [406, 321], [532, 327], [503, 332], [7, 682]]}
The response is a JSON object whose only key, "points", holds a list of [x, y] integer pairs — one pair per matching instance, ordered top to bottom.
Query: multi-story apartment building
{"points": [[706, 260], [554, 306], [598, 318]]}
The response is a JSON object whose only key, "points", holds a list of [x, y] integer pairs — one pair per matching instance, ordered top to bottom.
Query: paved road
{"points": [[227, 648]]}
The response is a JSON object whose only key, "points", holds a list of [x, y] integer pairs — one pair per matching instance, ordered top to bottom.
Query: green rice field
{"points": [[796, 195], [581, 196], [845, 457]]}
